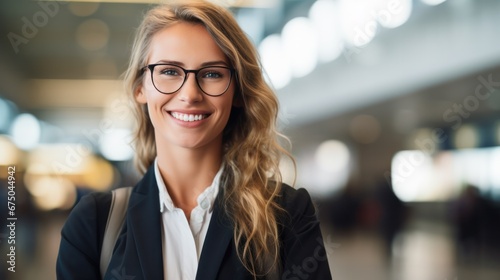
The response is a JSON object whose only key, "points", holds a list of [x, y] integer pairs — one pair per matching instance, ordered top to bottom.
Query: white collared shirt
{"points": [[182, 240]]}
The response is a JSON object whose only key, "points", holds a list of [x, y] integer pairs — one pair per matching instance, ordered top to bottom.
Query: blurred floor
{"points": [[423, 251]]}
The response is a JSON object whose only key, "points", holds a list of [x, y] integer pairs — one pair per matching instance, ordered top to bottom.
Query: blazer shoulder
{"points": [[296, 200], [86, 223], [81, 238]]}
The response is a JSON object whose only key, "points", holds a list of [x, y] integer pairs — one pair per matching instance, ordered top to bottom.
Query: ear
{"points": [[140, 96]]}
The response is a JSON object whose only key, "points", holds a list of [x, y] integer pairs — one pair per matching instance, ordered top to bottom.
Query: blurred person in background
{"points": [[211, 204], [344, 209], [393, 214], [476, 225]]}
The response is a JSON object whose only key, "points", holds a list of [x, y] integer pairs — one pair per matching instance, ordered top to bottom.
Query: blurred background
{"points": [[392, 107]]}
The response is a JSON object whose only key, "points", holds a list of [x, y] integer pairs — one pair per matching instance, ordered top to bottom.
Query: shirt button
{"points": [[204, 204]]}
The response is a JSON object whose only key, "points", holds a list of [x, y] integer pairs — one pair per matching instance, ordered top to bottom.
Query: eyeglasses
{"points": [[169, 78]]}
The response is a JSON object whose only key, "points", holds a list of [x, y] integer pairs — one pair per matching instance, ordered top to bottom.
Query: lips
{"points": [[188, 117]]}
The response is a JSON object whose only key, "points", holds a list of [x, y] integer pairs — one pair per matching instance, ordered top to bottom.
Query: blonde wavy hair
{"points": [[252, 151]]}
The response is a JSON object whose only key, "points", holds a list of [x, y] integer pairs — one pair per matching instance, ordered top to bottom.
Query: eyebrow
{"points": [[204, 64]]}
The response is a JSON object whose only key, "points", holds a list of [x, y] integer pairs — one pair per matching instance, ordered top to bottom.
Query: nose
{"points": [[190, 92]]}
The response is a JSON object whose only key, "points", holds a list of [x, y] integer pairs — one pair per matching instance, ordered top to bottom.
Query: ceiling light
{"points": [[433, 2], [324, 17], [300, 42], [275, 63], [26, 131]]}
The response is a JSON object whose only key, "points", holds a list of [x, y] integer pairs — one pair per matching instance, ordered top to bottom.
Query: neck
{"points": [[188, 172]]}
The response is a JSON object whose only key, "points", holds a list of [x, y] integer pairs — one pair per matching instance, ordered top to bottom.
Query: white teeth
{"points": [[188, 117]]}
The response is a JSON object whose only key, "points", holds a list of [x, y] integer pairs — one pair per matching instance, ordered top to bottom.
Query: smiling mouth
{"points": [[189, 117]]}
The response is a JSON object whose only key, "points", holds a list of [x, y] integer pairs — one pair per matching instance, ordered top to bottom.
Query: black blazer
{"points": [[138, 250]]}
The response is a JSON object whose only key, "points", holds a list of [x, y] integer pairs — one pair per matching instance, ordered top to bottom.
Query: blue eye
{"points": [[169, 71], [211, 74]]}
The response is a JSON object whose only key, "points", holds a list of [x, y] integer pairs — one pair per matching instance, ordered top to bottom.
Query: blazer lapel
{"points": [[145, 223], [219, 234]]}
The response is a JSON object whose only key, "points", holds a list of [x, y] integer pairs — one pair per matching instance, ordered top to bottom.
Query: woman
{"points": [[211, 204]]}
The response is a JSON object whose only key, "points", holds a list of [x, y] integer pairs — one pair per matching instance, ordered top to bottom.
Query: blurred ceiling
{"points": [[61, 61]]}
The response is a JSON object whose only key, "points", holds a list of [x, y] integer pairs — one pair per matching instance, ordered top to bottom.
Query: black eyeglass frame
{"points": [[151, 68]]}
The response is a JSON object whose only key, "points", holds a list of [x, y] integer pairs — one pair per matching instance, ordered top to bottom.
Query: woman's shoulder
{"points": [[290, 196], [94, 202], [296, 202], [88, 217], [81, 237]]}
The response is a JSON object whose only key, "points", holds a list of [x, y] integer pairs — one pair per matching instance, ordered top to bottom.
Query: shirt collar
{"points": [[205, 199]]}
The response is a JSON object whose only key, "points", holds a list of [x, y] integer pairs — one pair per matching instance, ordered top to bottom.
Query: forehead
{"points": [[188, 43]]}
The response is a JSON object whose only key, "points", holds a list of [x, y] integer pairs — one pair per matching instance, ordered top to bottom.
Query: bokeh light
{"points": [[433, 2], [324, 17], [92, 34], [300, 42], [274, 61], [26, 131], [466, 137], [115, 144], [10, 154]]}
